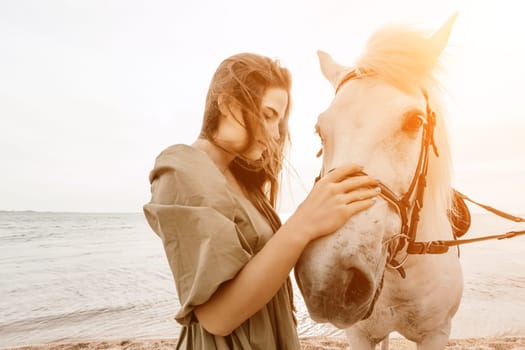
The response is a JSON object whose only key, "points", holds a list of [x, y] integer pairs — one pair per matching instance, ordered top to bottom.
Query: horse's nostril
{"points": [[358, 287]]}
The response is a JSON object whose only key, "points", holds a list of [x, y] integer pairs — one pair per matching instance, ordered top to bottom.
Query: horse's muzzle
{"points": [[344, 301]]}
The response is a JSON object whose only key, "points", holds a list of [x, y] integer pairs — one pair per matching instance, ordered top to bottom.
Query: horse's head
{"points": [[381, 117]]}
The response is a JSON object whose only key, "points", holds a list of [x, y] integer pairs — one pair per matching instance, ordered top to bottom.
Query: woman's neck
{"points": [[218, 155], [222, 159]]}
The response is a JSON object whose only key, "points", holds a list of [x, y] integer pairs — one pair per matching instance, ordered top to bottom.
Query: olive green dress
{"points": [[209, 233]]}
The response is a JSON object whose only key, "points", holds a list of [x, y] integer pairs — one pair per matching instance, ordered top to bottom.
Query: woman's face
{"points": [[232, 132]]}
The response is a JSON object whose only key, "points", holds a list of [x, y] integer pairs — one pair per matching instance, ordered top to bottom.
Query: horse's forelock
{"points": [[402, 56]]}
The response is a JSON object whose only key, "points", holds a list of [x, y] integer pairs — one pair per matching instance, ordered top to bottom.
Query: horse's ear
{"points": [[440, 38], [330, 68]]}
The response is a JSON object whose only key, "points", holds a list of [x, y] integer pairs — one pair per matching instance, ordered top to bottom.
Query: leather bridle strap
{"points": [[353, 74], [419, 181], [492, 210], [440, 247]]}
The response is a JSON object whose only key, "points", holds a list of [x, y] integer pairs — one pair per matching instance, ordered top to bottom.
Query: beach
{"points": [[103, 282], [307, 343]]}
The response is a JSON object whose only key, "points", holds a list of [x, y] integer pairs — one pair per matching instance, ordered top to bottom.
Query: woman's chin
{"points": [[254, 155]]}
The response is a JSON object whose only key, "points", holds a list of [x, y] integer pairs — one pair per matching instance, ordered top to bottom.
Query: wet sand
{"points": [[308, 343]]}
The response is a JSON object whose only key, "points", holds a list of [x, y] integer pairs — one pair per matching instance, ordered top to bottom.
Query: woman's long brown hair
{"points": [[243, 79]]}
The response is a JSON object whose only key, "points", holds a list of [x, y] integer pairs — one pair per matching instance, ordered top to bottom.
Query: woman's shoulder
{"points": [[177, 154], [184, 160], [191, 175]]}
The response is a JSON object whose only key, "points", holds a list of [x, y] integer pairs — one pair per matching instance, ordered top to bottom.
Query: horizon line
{"points": [[66, 211], [285, 214]]}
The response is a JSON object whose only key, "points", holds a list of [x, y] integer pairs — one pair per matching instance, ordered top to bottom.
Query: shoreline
{"points": [[307, 343]]}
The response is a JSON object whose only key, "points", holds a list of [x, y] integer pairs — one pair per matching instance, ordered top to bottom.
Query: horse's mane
{"points": [[407, 59]]}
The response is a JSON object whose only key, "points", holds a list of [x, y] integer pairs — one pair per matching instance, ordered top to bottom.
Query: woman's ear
{"points": [[224, 104], [229, 108]]}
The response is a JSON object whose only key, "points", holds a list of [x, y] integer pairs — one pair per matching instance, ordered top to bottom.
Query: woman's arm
{"points": [[332, 201]]}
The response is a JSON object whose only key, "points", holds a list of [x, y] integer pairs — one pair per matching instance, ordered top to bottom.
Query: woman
{"points": [[213, 206]]}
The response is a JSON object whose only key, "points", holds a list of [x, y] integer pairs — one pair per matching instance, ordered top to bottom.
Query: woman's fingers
{"points": [[342, 172], [355, 182], [360, 195], [358, 206]]}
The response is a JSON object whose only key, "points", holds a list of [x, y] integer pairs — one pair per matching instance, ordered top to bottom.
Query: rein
{"points": [[409, 205], [440, 246]]}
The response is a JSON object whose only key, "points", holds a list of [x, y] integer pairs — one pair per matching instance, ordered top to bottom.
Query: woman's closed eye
{"points": [[269, 114]]}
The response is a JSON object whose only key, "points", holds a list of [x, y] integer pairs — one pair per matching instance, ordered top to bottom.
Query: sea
{"points": [[92, 276]]}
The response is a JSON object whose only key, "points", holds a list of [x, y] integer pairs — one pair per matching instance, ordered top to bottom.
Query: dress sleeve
{"points": [[202, 241]]}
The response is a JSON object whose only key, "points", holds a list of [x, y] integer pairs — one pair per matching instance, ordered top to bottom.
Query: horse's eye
{"points": [[413, 122]]}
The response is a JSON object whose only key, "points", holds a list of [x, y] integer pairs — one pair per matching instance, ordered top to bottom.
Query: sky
{"points": [[92, 90]]}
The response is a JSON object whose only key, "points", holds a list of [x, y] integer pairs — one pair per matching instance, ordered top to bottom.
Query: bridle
{"points": [[410, 204]]}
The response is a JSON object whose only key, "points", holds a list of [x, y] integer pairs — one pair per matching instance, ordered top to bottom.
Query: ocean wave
{"points": [[53, 320]]}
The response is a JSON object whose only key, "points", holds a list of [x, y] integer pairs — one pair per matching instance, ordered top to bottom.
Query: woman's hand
{"points": [[333, 200]]}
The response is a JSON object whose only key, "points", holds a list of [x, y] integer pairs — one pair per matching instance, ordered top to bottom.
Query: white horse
{"points": [[379, 273]]}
